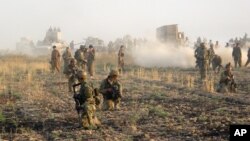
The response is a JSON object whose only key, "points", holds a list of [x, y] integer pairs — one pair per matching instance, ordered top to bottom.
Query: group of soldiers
{"points": [[205, 57], [87, 99]]}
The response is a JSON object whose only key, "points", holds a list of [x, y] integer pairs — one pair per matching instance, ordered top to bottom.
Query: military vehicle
{"points": [[170, 34], [44, 47]]}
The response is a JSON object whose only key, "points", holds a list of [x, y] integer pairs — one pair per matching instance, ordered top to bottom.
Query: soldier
{"points": [[72, 45], [196, 52], [211, 54], [237, 55], [80, 56], [203, 57], [248, 57], [66, 59], [121, 59], [55, 60], [90, 60], [216, 63], [71, 72], [227, 82], [111, 90], [85, 104]]}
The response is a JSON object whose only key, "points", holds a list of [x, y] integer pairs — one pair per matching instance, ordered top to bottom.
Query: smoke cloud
{"points": [[163, 55]]}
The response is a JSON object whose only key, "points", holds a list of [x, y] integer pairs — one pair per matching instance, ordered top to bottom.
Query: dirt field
{"points": [[157, 104]]}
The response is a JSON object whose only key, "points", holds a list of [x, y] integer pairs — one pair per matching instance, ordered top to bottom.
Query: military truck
{"points": [[170, 34]]}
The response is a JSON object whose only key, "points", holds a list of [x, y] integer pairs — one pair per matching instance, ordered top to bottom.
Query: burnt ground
{"points": [[150, 110]]}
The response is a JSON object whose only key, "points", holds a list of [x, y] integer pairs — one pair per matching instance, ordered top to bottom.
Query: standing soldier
{"points": [[72, 45], [196, 54], [211, 54], [237, 55], [80, 56], [248, 57], [66, 59], [121, 59], [203, 59], [55, 60], [90, 60], [71, 72], [227, 82], [111, 90], [85, 103]]}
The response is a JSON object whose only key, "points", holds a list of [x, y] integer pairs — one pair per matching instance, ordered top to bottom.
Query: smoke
{"points": [[154, 54], [161, 55], [226, 55]]}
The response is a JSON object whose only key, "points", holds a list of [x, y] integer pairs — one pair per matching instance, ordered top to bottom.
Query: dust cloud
{"points": [[163, 55]]}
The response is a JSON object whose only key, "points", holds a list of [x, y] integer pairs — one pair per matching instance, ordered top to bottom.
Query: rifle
{"points": [[116, 92]]}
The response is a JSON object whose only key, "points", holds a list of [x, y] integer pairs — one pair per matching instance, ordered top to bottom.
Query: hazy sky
{"points": [[109, 19]]}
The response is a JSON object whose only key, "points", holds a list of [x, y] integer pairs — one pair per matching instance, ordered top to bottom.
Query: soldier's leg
{"points": [[248, 61], [240, 62], [235, 63], [92, 69], [70, 84], [117, 103], [110, 104]]}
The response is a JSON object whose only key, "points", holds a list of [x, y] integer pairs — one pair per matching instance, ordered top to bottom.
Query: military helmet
{"points": [[90, 46], [113, 73], [82, 74]]}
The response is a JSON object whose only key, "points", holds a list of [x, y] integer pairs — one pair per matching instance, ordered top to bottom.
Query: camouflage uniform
{"points": [[237, 55], [203, 57], [248, 57], [66, 58], [121, 59], [55, 60], [90, 60], [216, 63], [71, 73], [227, 82], [111, 91], [85, 104]]}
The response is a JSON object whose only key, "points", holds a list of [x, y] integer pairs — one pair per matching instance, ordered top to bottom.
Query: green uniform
{"points": [[237, 56], [90, 62], [226, 83], [111, 98], [87, 106]]}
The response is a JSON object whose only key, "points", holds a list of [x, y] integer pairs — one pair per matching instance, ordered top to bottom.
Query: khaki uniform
{"points": [[237, 56], [248, 57], [66, 59], [55, 60], [121, 60], [90, 62], [112, 98], [87, 107]]}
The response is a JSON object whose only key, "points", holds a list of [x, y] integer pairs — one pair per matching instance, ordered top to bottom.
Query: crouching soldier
{"points": [[216, 63], [227, 83], [111, 90], [85, 104]]}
